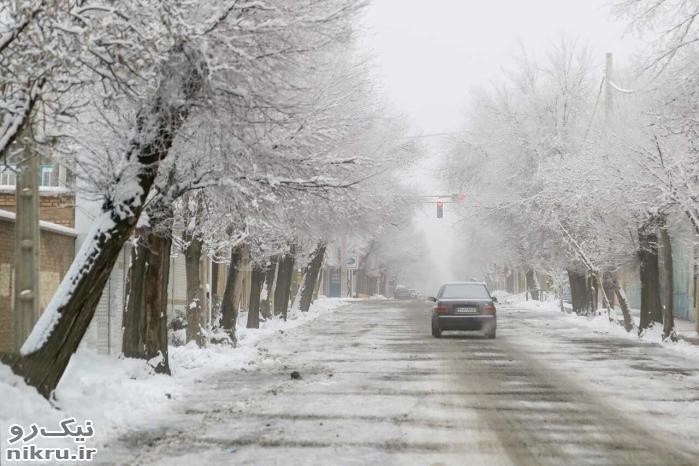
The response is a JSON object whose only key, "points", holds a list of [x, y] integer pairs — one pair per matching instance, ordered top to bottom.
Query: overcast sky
{"points": [[429, 54]]}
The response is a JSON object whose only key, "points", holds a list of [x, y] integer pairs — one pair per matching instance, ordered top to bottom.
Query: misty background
{"points": [[428, 58]]}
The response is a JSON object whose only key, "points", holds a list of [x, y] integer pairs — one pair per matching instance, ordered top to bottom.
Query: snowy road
{"points": [[378, 389]]}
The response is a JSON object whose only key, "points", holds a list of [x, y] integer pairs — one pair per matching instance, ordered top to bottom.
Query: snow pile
{"points": [[505, 297], [118, 395], [22, 404]]}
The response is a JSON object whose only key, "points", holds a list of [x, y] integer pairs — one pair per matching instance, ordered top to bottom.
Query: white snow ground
{"points": [[119, 395]]}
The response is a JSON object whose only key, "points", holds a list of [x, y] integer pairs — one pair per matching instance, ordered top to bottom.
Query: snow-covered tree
{"points": [[199, 58]]}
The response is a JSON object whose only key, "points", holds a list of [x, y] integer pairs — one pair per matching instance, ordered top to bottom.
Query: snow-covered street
{"points": [[376, 388]]}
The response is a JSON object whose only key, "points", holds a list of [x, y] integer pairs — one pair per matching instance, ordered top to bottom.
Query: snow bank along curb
{"points": [[599, 323], [121, 394]]}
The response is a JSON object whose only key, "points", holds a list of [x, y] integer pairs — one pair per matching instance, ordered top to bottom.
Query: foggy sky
{"points": [[429, 55]]}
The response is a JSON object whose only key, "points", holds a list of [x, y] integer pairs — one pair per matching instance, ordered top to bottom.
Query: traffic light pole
{"points": [[458, 198]]}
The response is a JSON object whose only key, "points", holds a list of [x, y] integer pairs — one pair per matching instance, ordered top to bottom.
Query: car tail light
{"points": [[489, 309], [441, 310]]}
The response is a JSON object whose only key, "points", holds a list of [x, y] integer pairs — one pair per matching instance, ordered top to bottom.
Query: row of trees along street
{"points": [[242, 131], [579, 174]]}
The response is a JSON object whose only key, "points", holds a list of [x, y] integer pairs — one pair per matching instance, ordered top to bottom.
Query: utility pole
{"points": [[608, 90], [26, 300]]}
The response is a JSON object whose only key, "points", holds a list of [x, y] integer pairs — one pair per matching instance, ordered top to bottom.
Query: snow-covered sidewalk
{"points": [[688, 337], [119, 395]]}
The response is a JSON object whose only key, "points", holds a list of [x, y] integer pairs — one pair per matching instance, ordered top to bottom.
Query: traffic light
{"points": [[440, 209]]}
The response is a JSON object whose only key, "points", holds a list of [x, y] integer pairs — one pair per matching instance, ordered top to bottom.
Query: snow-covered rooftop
{"points": [[43, 190], [44, 225]]}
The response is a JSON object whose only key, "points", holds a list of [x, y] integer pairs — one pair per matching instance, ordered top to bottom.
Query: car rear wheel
{"points": [[436, 332], [490, 334]]}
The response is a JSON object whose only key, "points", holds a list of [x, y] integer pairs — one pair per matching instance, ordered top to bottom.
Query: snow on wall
{"points": [[44, 225]]}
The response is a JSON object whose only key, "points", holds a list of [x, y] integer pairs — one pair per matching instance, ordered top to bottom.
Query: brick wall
{"points": [[54, 207], [57, 252]]}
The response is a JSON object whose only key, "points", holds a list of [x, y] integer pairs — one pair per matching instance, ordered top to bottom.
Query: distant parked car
{"points": [[401, 292], [413, 294], [464, 306]]}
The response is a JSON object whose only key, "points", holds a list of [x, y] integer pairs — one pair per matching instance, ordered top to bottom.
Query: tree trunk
{"points": [[215, 270], [649, 273], [291, 276], [311, 276], [667, 276], [256, 282], [598, 282], [533, 284], [593, 286], [281, 287], [608, 287], [294, 288], [316, 289], [282, 290], [579, 292], [560, 293], [195, 298], [623, 303], [229, 306], [266, 306], [145, 315], [59, 331]]}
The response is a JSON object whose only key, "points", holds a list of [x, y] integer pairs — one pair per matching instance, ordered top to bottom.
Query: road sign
{"points": [[352, 262]]}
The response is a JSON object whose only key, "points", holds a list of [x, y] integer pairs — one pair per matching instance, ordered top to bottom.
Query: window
{"points": [[48, 175], [7, 176], [464, 290]]}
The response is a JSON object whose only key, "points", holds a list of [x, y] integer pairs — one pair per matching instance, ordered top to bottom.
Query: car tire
{"points": [[436, 331], [490, 335]]}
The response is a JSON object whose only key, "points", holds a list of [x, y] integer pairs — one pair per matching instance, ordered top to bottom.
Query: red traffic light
{"points": [[440, 204], [440, 209]]}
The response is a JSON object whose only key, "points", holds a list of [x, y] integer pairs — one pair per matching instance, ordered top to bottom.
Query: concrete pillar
{"points": [[26, 309]]}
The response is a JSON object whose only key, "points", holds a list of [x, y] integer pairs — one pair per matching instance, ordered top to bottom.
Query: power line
{"points": [[446, 133]]}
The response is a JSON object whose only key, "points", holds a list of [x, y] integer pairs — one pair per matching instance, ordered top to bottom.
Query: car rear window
{"points": [[465, 290]]}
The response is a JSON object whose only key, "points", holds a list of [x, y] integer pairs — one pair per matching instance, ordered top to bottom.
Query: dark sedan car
{"points": [[464, 306]]}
